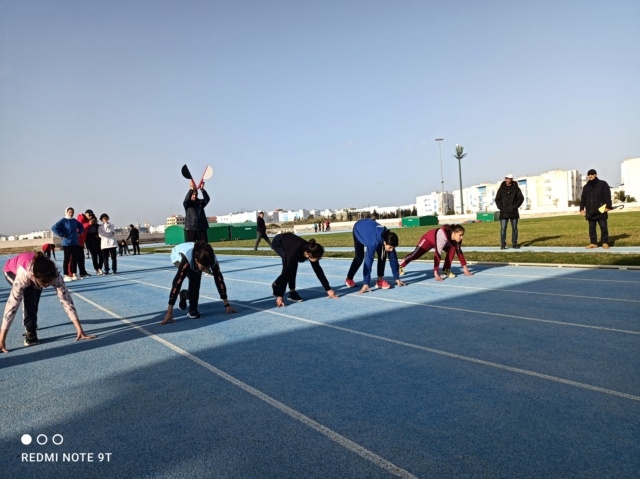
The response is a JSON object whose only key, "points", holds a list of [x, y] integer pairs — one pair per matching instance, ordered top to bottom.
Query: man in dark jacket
{"points": [[595, 194], [508, 199], [196, 223], [261, 231], [134, 236]]}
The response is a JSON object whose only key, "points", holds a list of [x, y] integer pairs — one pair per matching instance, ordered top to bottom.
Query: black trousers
{"points": [[593, 232], [193, 235], [93, 245], [136, 246], [110, 252], [73, 255], [30, 302]]}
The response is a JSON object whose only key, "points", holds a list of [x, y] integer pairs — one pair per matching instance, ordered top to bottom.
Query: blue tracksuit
{"points": [[368, 233]]}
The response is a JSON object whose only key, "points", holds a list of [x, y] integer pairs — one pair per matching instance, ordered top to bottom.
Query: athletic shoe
{"points": [[605, 245], [504, 246], [516, 246], [591, 246], [106, 271], [401, 271], [99, 272], [115, 272], [447, 273], [84, 275], [74, 277], [67, 278], [351, 283], [382, 284], [184, 295], [294, 297], [194, 314], [30, 338]]}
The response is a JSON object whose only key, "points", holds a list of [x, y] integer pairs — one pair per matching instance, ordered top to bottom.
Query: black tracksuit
{"points": [[291, 249]]}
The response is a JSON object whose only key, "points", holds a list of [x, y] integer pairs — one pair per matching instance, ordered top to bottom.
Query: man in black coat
{"points": [[595, 194], [508, 199], [196, 223], [261, 231], [134, 236]]}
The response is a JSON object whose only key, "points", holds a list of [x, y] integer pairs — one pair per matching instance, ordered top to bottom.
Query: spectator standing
{"points": [[596, 194], [508, 199], [196, 223], [68, 228], [134, 236]]}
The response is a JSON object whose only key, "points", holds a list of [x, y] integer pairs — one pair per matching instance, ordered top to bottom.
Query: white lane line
{"points": [[563, 278], [597, 298], [500, 315], [431, 350], [298, 416]]}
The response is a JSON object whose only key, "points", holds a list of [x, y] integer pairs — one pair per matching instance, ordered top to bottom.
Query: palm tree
{"points": [[460, 154]]}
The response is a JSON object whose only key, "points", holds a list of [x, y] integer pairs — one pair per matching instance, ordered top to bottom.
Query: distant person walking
{"points": [[596, 194], [508, 199], [196, 223], [315, 227], [68, 228], [261, 231], [134, 236], [378, 240], [445, 240], [108, 243], [293, 250]]}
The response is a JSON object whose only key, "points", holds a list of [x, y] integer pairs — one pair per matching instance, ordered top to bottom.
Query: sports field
{"points": [[513, 372]]}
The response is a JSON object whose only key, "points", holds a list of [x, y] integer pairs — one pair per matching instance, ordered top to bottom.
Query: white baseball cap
{"points": [[510, 176]]}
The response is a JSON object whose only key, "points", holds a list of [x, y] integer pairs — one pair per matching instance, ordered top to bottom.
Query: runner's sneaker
{"points": [[448, 274], [67, 278], [351, 283], [382, 284], [184, 295], [294, 297], [194, 314], [30, 338]]}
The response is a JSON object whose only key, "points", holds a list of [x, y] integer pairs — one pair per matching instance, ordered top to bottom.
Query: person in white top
{"points": [[108, 243]]}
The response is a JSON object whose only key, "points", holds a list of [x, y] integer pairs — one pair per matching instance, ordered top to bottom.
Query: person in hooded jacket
{"points": [[595, 194], [508, 199], [196, 223]]}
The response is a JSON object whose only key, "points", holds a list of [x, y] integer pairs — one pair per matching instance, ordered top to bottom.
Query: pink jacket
{"points": [[20, 266]]}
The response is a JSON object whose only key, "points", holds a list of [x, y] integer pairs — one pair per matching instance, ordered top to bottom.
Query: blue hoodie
{"points": [[68, 229], [369, 233], [186, 250]]}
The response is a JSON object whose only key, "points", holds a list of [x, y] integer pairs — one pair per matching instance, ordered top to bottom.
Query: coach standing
{"points": [[596, 193]]}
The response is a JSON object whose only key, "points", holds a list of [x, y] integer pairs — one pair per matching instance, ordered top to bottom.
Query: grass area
{"points": [[624, 230]]}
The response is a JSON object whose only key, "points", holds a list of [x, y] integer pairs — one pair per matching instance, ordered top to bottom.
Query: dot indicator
{"points": [[26, 439]]}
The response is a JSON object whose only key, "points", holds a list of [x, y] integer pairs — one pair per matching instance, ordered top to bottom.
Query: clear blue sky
{"points": [[303, 104]]}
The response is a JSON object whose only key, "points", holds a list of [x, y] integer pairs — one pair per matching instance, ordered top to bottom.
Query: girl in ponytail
{"points": [[447, 239], [293, 250]]}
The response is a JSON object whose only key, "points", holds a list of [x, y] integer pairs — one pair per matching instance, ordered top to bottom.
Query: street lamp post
{"points": [[439, 140], [460, 154]]}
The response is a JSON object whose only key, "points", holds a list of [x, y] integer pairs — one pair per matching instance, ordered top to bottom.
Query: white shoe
{"points": [[99, 272], [67, 278], [74, 278]]}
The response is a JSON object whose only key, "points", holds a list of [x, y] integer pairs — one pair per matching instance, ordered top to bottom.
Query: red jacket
{"points": [[85, 222]]}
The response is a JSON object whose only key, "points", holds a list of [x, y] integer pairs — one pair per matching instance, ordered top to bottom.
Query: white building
{"points": [[630, 177], [435, 203], [241, 217], [175, 220]]}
